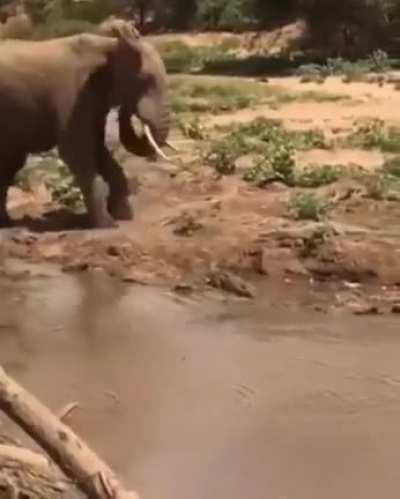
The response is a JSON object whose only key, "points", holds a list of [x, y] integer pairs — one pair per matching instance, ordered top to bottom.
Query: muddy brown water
{"points": [[200, 398]]}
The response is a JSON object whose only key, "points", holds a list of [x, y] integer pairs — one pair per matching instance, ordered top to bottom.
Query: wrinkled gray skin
{"points": [[59, 92]]}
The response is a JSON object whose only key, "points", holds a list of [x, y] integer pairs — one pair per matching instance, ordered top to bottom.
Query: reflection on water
{"points": [[201, 399]]}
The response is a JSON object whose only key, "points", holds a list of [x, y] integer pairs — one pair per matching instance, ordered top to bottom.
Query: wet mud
{"points": [[200, 397]]}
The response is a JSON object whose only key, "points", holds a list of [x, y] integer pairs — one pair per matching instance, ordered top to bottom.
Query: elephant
{"points": [[58, 93]]}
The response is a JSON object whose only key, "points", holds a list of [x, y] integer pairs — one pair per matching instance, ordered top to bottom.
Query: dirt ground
{"points": [[191, 223]]}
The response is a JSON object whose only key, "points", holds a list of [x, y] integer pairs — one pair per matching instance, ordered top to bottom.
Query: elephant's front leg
{"points": [[83, 163], [118, 201]]}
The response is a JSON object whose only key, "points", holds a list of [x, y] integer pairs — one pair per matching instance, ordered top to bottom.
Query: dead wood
{"points": [[67, 410], [79, 463], [24, 473]]}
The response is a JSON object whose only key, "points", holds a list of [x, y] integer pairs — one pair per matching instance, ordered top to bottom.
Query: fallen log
{"points": [[79, 463]]}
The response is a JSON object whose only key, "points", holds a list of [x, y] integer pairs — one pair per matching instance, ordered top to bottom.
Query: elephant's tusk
{"points": [[153, 143], [172, 147]]}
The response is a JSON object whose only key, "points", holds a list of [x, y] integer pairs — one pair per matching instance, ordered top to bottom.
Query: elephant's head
{"points": [[139, 89]]}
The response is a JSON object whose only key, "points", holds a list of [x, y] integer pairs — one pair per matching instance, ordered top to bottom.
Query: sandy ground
{"points": [[190, 222]]}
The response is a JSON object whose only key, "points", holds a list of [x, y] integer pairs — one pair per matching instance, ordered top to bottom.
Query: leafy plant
{"points": [[379, 61], [188, 95], [193, 128], [368, 134], [373, 134], [309, 139], [273, 148], [223, 154], [278, 165], [392, 167], [317, 176], [57, 178], [383, 187], [308, 206], [313, 241]]}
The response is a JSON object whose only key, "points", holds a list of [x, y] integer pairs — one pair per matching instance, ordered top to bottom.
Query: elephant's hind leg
{"points": [[9, 166]]}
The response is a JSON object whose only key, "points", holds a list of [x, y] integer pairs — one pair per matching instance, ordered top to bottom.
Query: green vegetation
{"points": [[353, 28], [376, 62], [200, 94], [204, 95], [192, 128], [372, 134], [273, 151], [391, 167], [317, 176], [57, 178], [384, 185], [308, 206], [311, 242]]}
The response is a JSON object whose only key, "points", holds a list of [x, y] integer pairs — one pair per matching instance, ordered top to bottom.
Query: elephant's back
{"points": [[26, 115]]}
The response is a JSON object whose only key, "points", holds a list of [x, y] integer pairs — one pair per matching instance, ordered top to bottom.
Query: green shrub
{"points": [[225, 14], [377, 62], [202, 97], [193, 128], [373, 134], [309, 139], [274, 149], [223, 154], [277, 165], [392, 167], [317, 176], [57, 178], [307, 206]]}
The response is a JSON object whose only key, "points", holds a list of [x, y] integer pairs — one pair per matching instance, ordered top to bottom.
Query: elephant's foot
{"points": [[96, 204], [121, 209], [105, 221]]}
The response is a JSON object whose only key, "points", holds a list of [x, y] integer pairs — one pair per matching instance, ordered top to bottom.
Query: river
{"points": [[209, 398]]}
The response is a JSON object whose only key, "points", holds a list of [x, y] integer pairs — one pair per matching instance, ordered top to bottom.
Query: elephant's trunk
{"points": [[156, 129]]}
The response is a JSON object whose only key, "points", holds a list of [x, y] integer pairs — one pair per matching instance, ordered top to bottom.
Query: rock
{"points": [[186, 225], [53, 250], [113, 250], [278, 262], [75, 267], [295, 267], [136, 276], [231, 283], [351, 285], [183, 288], [364, 308], [396, 308]]}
